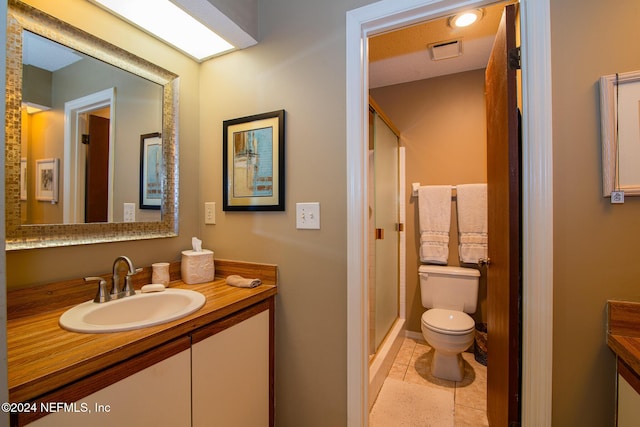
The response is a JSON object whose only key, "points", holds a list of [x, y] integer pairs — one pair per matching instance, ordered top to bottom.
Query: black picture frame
{"points": [[253, 168]]}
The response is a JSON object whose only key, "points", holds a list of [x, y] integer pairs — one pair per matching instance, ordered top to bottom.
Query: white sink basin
{"points": [[133, 312]]}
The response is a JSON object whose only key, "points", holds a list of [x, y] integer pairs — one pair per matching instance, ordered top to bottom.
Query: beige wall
{"points": [[299, 66], [443, 127], [596, 252]]}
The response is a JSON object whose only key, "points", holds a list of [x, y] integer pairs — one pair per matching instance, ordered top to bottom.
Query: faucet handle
{"points": [[128, 289], [102, 295]]}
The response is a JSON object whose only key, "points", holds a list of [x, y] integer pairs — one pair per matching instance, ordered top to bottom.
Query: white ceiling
{"points": [[43, 53], [403, 55]]}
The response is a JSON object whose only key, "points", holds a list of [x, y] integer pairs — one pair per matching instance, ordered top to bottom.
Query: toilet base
{"points": [[447, 366]]}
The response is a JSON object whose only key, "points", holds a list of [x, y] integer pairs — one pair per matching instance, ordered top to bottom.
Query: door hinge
{"points": [[514, 59], [85, 139], [400, 227]]}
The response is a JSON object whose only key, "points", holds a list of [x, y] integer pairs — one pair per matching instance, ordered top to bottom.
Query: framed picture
{"points": [[620, 128], [253, 163], [151, 171], [23, 178], [47, 180]]}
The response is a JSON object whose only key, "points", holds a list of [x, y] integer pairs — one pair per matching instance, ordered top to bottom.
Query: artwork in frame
{"points": [[253, 163], [151, 171], [23, 179], [47, 180]]}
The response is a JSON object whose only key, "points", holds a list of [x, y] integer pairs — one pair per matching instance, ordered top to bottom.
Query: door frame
{"points": [[75, 152], [537, 194]]}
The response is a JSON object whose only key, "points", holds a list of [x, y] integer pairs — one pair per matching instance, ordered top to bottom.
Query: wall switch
{"points": [[129, 212], [210, 212], [308, 216]]}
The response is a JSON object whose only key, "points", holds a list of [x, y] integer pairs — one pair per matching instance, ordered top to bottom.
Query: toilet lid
{"points": [[448, 321]]}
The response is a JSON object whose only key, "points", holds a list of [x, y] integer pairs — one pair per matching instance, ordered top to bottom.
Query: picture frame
{"points": [[620, 133], [253, 168], [151, 171], [23, 179], [47, 180]]}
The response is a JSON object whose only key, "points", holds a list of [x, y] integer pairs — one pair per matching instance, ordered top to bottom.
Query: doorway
{"points": [[78, 114], [443, 119], [537, 194]]}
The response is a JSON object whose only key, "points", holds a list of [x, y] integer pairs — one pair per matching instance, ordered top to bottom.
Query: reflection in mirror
{"points": [[85, 114], [76, 122]]}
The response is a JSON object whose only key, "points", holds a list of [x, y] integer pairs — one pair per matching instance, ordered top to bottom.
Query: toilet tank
{"points": [[453, 288]]}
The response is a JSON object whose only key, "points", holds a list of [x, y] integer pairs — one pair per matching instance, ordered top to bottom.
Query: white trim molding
{"points": [[537, 194]]}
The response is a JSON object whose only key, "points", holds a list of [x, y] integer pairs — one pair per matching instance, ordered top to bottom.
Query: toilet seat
{"points": [[451, 322]]}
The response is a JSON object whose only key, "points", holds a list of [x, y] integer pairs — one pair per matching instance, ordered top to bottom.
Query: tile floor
{"points": [[411, 396]]}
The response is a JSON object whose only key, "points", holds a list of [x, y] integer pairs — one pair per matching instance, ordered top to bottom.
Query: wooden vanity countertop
{"points": [[623, 331], [42, 356]]}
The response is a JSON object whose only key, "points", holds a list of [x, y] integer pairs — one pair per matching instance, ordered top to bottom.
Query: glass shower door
{"points": [[386, 219]]}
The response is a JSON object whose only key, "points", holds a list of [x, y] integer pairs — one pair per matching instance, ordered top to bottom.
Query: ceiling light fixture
{"points": [[466, 18], [171, 24]]}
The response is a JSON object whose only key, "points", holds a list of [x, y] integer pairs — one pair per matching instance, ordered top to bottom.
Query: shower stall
{"points": [[386, 275]]}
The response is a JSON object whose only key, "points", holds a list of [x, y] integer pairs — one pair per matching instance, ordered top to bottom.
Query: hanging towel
{"points": [[434, 207], [472, 222]]}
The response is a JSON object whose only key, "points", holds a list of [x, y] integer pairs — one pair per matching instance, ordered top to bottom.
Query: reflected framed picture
{"points": [[253, 163], [151, 171], [47, 180]]}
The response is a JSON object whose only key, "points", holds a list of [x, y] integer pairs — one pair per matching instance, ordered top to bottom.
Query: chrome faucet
{"points": [[128, 290]]}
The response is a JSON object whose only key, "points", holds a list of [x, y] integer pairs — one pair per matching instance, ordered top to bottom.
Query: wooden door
{"points": [[97, 173], [504, 202]]}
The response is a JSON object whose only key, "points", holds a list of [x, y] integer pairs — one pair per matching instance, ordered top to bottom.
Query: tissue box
{"points": [[197, 267]]}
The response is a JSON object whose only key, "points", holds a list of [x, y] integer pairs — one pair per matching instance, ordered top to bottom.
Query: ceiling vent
{"points": [[446, 50]]}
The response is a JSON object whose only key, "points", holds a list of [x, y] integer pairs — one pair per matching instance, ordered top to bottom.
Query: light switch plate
{"points": [[308, 216]]}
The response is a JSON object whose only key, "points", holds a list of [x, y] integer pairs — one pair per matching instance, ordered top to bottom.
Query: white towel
{"points": [[434, 206], [472, 222]]}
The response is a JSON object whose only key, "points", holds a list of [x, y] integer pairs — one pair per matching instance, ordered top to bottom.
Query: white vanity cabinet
{"points": [[232, 373], [220, 374], [157, 393], [628, 399]]}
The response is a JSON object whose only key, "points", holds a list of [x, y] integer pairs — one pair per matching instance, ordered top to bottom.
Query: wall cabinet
{"points": [[220, 374]]}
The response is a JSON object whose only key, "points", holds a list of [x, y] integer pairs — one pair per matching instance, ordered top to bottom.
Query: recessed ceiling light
{"points": [[465, 19], [171, 24]]}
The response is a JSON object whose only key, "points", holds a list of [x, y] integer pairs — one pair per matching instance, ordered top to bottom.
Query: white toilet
{"points": [[448, 294]]}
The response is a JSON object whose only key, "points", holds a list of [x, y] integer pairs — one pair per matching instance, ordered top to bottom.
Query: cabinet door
{"points": [[231, 374], [158, 395], [628, 404]]}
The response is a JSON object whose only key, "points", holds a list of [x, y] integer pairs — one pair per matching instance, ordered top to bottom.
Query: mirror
{"points": [[52, 174]]}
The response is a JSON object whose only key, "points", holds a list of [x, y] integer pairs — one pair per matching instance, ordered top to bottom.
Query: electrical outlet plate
{"points": [[129, 212], [210, 212], [308, 216]]}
